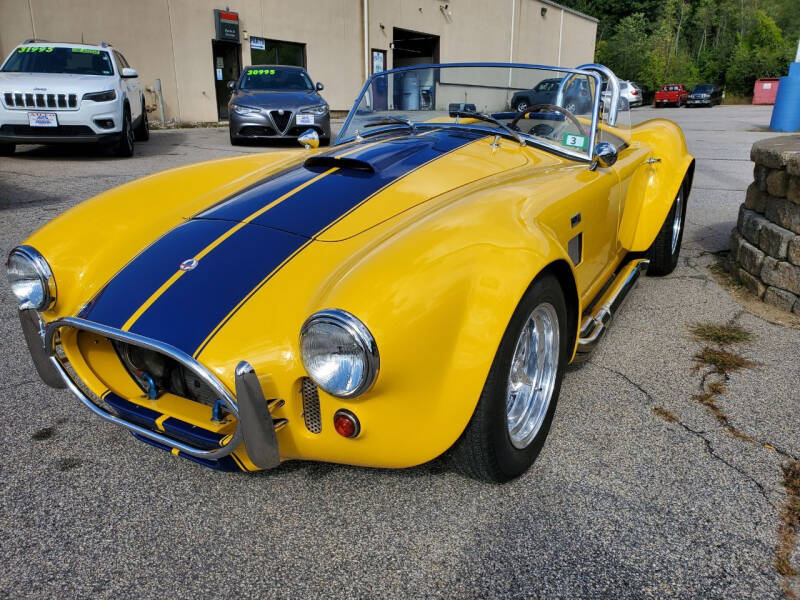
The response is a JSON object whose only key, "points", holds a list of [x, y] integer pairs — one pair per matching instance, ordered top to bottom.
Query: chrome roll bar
{"points": [[613, 84], [137, 340]]}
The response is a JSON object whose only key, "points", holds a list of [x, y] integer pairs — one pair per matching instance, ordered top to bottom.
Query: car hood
{"points": [[55, 83], [277, 99], [338, 194], [182, 287]]}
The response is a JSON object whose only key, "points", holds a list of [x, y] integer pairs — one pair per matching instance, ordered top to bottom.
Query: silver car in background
{"points": [[627, 90], [277, 102]]}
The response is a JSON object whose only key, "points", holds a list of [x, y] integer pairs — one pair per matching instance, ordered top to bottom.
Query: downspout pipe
{"points": [[365, 18]]}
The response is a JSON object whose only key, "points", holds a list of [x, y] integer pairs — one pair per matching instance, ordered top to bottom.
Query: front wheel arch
{"points": [[562, 272], [485, 450]]}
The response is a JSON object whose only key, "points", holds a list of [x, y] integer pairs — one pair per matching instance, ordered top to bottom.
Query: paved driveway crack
{"points": [[701, 435]]}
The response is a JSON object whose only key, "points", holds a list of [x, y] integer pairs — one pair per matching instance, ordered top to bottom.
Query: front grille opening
{"points": [[281, 120], [256, 130], [168, 375], [311, 414]]}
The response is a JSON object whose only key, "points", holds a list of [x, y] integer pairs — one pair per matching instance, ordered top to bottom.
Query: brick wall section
{"points": [[765, 244]]}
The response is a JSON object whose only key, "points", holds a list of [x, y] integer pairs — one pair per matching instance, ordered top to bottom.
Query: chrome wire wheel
{"points": [[677, 222], [532, 377]]}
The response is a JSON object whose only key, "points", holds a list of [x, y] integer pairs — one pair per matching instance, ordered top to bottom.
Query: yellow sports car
{"points": [[417, 289]]}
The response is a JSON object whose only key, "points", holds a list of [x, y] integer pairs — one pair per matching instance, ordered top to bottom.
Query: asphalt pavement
{"points": [[621, 503]]}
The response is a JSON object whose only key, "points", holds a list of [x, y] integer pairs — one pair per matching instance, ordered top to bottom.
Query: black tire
{"points": [[521, 105], [142, 131], [124, 147], [7, 149], [663, 256], [484, 451]]}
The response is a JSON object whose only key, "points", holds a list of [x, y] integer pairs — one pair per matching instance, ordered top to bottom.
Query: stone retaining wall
{"points": [[765, 244]]}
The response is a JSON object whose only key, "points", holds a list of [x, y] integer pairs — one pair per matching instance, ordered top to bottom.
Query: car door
{"points": [[131, 86], [544, 93]]}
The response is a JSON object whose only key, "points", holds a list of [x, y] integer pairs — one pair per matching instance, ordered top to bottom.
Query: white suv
{"points": [[53, 93]]}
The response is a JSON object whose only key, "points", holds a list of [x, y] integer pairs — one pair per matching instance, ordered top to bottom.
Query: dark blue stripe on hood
{"points": [[315, 207], [143, 275], [194, 305]]}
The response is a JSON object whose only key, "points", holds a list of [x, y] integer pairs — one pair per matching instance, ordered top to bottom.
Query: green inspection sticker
{"points": [[35, 49], [85, 51], [261, 71], [573, 140]]}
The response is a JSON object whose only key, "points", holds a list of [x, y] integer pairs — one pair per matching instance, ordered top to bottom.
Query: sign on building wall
{"points": [[227, 25], [257, 43]]}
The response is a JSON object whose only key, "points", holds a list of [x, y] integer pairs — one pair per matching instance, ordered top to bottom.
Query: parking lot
{"points": [[639, 492]]}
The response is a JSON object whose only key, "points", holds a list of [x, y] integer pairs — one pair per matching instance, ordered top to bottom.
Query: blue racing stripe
{"points": [[315, 207], [143, 275], [195, 304]]}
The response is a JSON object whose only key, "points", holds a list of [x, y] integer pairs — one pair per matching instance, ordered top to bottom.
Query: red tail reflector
{"points": [[346, 424]]}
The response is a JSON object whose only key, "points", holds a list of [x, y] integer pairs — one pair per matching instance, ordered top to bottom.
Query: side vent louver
{"points": [[311, 414]]}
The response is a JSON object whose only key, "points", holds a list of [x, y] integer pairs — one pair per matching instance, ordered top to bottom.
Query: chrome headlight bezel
{"points": [[245, 110], [318, 110], [39, 269], [362, 337]]}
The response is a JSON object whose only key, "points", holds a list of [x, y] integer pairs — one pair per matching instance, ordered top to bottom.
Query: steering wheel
{"points": [[537, 107]]}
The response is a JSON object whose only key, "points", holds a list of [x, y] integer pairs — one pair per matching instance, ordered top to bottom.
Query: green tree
{"points": [[762, 53]]}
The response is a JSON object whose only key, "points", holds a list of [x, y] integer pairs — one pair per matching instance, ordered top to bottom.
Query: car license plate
{"points": [[42, 119], [305, 119]]}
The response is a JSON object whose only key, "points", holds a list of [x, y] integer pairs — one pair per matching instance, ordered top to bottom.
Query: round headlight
{"points": [[31, 279], [339, 353]]}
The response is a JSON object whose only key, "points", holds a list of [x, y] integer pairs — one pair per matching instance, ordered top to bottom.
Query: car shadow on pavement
{"points": [[155, 146], [15, 196], [312, 470]]}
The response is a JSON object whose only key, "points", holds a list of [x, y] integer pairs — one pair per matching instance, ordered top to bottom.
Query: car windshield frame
{"points": [[45, 49], [589, 70], [269, 71]]}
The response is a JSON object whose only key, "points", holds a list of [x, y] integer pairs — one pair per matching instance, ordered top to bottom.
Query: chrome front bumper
{"points": [[255, 426]]}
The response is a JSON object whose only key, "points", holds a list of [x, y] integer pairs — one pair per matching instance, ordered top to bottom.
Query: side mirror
{"points": [[129, 73], [231, 84], [320, 87], [309, 139], [605, 155]]}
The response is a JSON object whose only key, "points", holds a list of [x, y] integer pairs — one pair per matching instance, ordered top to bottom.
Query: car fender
{"points": [[653, 186], [436, 289]]}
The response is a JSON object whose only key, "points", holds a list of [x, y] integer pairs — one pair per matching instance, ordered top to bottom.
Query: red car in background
{"points": [[672, 93]]}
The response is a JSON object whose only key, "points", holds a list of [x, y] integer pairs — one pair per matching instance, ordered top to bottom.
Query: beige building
{"points": [[195, 46]]}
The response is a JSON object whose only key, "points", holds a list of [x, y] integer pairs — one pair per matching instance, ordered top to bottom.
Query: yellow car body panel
{"points": [[434, 262]]}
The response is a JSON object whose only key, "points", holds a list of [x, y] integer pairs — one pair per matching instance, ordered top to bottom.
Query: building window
{"points": [[276, 52]]}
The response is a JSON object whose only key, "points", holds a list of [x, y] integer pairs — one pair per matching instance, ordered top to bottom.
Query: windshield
{"points": [[49, 59], [275, 78], [704, 89], [546, 106]]}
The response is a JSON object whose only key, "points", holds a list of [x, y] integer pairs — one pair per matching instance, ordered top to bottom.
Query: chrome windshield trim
{"points": [[590, 70], [489, 131], [131, 338]]}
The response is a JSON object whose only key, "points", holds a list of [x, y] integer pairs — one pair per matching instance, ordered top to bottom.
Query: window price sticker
{"points": [[573, 140]]}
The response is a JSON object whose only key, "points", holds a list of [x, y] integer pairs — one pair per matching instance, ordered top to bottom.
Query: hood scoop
{"points": [[330, 162]]}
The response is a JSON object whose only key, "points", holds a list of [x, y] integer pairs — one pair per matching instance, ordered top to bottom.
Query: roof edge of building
{"points": [[569, 10]]}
